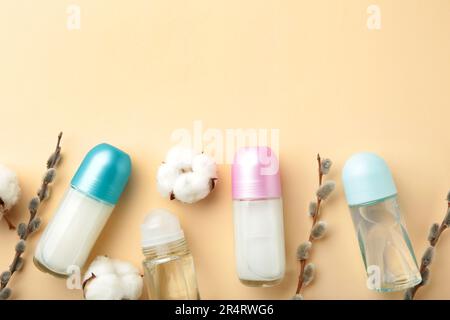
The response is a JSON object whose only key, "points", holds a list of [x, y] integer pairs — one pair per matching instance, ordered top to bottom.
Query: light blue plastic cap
{"points": [[103, 174], [367, 178]]}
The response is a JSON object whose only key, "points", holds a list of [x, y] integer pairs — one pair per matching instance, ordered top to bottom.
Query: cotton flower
{"points": [[180, 157], [204, 164], [186, 175], [166, 177], [9, 187], [191, 187], [9, 190], [111, 279], [106, 287]]}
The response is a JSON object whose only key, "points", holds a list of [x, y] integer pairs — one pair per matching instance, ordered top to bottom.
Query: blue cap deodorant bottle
{"points": [[82, 214], [385, 246]]}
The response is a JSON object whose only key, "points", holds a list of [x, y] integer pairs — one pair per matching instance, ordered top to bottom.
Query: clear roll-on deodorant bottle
{"points": [[84, 210], [258, 217], [384, 242], [168, 265]]}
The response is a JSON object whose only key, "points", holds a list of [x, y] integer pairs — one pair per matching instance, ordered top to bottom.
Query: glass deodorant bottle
{"points": [[82, 214], [258, 217], [385, 246], [168, 266]]}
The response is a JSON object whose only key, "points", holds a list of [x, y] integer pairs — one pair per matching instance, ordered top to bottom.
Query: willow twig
{"points": [[318, 228], [25, 229], [434, 235]]}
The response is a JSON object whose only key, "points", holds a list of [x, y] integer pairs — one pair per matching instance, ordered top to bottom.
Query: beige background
{"points": [[137, 70]]}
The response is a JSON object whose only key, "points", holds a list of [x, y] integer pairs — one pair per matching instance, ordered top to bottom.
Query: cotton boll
{"points": [[180, 157], [204, 164], [186, 175], [166, 177], [9, 187], [192, 187], [100, 266], [123, 267], [111, 279], [131, 279], [132, 286], [104, 287]]}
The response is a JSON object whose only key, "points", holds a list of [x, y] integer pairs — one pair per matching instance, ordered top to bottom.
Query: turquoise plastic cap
{"points": [[103, 174], [367, 178]]}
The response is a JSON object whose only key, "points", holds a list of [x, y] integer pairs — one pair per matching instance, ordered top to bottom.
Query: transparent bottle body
{"points": [[71, 233], [259, 241], [385, 246], [169, 272]]}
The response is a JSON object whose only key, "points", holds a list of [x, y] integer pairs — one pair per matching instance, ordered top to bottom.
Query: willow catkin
{"points": [[325, 166], [50, 175], [325, 189], [34, 204], [312, 209], [447, 218], [319, 229], [22, 230], [20, 246], [303, 250], [427, 257], [308, 273], [5, 276], [425, 276], [5, 293]]}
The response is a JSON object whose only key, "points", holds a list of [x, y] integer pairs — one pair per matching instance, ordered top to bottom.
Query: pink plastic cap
{"points": [[255, 174]]}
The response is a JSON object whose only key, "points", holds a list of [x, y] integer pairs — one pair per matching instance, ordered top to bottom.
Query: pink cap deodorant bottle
{"points": [[258, 217]]}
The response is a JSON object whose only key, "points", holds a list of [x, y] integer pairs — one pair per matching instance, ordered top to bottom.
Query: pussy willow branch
{"points": [[52, 162], [311, 238], [433, 243]]}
